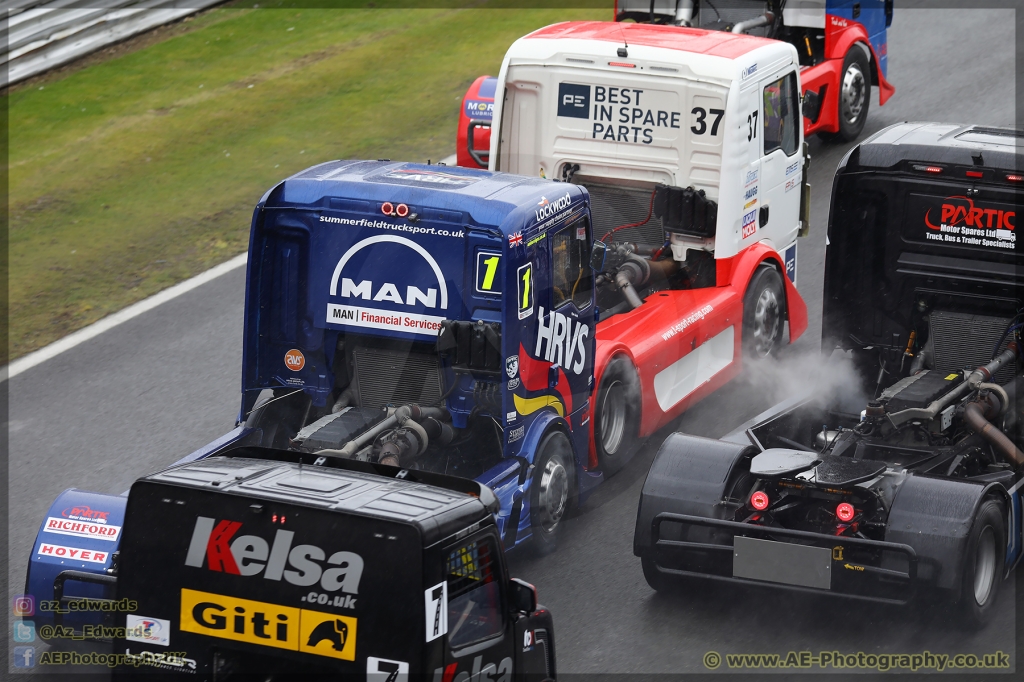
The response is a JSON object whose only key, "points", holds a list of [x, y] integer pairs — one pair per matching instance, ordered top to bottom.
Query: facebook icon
{"points": [[24, 657]]}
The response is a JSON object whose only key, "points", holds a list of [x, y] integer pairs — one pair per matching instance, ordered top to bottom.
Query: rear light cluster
{"points": [[975, 174], [389, 209], [759, 500]]}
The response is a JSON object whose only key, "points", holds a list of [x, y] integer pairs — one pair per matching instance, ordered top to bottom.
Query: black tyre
{"points": [[854, 98], [764, 313], [617, 416], [553, 490], [983, 565], [658, 581]]}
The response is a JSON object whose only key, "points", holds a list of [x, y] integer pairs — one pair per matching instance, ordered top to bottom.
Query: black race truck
{"points": [[907, 481], [256, 565]]}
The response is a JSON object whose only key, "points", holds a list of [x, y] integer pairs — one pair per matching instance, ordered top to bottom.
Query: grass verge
{"points": [[135, 173]]}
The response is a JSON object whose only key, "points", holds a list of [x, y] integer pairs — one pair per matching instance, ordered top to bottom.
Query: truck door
{"points": [[778, 213], [572, 293], [480, 634]]}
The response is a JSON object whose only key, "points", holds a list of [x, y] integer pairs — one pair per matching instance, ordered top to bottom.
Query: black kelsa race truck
{"points": [[908, 480], [252, 564]]}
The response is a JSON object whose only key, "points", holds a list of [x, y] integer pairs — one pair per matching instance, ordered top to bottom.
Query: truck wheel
{"points": [[854, 96], [764, 313], [617, 416], [552, 490], [983, 564], [654, 578]]}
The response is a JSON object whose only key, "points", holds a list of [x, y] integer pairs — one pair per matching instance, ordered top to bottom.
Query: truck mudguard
{"points": [[689, 476], [934, 515]]}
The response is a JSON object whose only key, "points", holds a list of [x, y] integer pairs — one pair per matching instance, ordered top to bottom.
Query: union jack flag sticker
{"points": [[515, 239]]}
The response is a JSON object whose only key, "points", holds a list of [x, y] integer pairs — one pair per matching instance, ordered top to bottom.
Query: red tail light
{"points": [[975, 174], [1015, 178], [387, 208], [402, 210], [759, 500], [845, 512]]}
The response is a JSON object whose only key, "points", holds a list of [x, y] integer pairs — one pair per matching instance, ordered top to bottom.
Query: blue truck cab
{"points": [[423, 317]]}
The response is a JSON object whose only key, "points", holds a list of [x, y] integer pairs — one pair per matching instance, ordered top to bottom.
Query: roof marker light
{"points": [[624, 64], [928, 169], [975, 174], [1015, 178], [387, 208], [402, 210], [759, 500], [845, 512]]}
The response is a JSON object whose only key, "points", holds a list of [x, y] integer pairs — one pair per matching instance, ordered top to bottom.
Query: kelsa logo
{"points": [[550, 208], [960, 211], [561, 341], [214, 543], [502, 672]]}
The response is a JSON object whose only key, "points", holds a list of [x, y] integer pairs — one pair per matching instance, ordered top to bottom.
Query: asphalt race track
{"points": [[137, 398]]}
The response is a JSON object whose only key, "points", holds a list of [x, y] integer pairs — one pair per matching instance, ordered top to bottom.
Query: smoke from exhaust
{"points": [[827, 378]]}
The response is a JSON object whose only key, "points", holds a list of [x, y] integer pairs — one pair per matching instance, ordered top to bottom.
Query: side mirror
{"points": [[598, 253], [523, 595]]}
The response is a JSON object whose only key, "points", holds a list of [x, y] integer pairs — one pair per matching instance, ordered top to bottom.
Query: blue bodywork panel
{"points": [[871, 15]]}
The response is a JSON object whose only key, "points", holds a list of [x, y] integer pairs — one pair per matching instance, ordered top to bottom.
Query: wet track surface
{"points": [[141, 396]]}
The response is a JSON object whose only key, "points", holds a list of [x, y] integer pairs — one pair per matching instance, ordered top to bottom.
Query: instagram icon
{"points": [[24, 605]]}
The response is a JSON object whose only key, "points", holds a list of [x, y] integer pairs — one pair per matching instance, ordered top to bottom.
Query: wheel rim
{"points": [[854, 93], [766, 322], [613, 417], [553, 494], [985, 566]]}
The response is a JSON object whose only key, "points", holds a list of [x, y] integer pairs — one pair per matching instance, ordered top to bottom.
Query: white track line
{"points": [[111, 321]]}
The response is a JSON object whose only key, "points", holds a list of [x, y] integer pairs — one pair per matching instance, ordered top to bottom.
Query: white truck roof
{"points": [[695, 52], [680, 108]]}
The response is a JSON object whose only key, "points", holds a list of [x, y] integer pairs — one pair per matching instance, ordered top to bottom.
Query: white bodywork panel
{"points": [[806, 13], [555, 97], [693, 370]]}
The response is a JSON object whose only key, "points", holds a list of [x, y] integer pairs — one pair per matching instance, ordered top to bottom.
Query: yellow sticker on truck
{"points": [[266, 624]]}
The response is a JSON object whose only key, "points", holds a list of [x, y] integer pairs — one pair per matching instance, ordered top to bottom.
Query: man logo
{"points": [[391, 239], [512, 366], [335, 632]]}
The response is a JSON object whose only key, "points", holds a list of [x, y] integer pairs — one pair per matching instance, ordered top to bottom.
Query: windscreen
{"points": [[274, 581]]}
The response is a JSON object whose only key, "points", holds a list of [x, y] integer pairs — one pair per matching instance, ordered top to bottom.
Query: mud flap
{"points": [[688, 476], [934, 515]]}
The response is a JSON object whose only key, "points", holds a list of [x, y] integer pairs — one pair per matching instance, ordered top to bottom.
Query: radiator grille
{"points": [[613, 206], [962, 340], [389, 377], [542, 640]]}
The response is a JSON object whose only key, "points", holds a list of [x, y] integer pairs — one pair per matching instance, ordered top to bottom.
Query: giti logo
{"points": [[215, 544], [264, 624]]}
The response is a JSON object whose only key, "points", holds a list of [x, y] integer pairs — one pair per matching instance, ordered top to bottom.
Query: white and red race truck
{"points": [[842, 48], [690, 145]]}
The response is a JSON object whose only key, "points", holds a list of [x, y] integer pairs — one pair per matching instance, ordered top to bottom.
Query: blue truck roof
{"points": [[484, 197]]}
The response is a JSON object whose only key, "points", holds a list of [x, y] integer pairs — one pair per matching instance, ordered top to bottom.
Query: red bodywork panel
{"points": [[840, 36], [696, 40], [481, 134], [654, 336]]}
